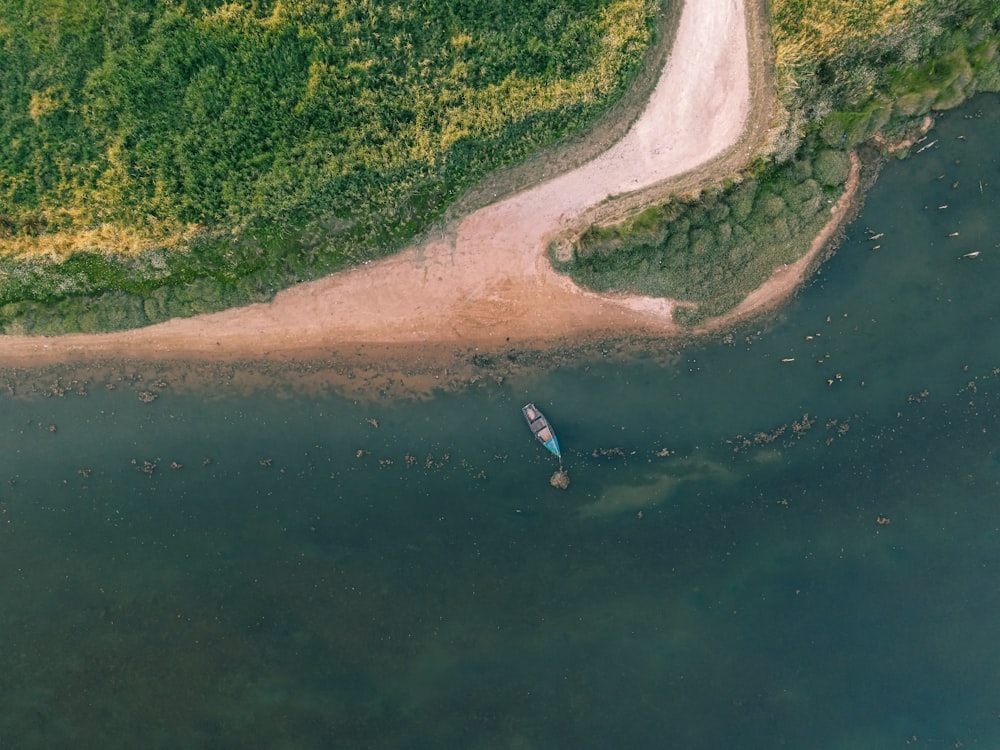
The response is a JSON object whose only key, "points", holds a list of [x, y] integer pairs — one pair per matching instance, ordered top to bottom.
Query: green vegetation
{"points": [[851, 69], [847, 70], [168, 158], [717, 248]]}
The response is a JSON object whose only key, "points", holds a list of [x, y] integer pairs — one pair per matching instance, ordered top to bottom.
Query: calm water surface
{"points": [[787, 539]]}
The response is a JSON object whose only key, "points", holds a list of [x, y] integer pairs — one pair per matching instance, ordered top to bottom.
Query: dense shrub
{"points": [[851, 68], [831, 167], [692, 256]]}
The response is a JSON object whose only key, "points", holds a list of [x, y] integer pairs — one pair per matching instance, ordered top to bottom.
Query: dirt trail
{"points": [[485, 278]]}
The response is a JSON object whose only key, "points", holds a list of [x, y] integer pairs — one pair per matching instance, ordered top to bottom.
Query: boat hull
{"points": [[541, 428]]}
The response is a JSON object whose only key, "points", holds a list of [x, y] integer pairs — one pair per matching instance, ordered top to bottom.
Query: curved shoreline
{"points": [[484, 279]]}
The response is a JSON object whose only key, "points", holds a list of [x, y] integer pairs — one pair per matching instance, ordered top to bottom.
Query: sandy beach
{"points": [[484, 280]]}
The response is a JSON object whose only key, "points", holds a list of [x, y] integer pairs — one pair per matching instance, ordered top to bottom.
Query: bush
{"points": [[831, 167], [741, 199], [771, 205], [769, 220]]}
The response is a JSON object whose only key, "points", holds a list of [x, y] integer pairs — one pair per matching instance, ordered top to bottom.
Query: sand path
{"points": [[485, 278]]}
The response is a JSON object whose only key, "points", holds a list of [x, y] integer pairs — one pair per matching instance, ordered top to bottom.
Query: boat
{"points": [[541, 428]]}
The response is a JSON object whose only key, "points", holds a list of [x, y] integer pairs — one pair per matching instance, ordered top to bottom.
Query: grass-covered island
{"points": [[849, 73], [162, 159]]}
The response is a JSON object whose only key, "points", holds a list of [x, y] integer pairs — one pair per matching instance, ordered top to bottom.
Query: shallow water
{"points": [[219, 570]]}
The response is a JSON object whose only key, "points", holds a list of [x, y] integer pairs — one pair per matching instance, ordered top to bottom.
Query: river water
{"points": [[789, 537]]}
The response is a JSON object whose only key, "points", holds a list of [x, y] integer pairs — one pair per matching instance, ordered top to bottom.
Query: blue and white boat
{"points": [[541, 428]]}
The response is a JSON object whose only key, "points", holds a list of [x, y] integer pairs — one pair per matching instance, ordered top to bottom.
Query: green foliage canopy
{"points": [[853, 67]]}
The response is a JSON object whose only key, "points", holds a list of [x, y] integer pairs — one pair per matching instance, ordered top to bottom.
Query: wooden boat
{"points": [[541, 428]]}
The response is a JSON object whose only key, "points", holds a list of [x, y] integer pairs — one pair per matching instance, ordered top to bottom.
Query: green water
{"points": [[226, 571]]}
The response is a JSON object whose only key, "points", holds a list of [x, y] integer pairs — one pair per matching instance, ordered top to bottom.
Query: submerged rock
{"points": [[560, 480]]}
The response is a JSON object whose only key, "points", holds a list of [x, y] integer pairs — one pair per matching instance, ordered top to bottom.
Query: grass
{"points": [[868, 65], [846, 70], [269, 139], [176, 158]]}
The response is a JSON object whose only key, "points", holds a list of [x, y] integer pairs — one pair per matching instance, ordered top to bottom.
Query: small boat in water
{"points": [[541, 428]]}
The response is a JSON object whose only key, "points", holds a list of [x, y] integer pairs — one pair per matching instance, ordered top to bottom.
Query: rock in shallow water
{"points": [[560, 480]]}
